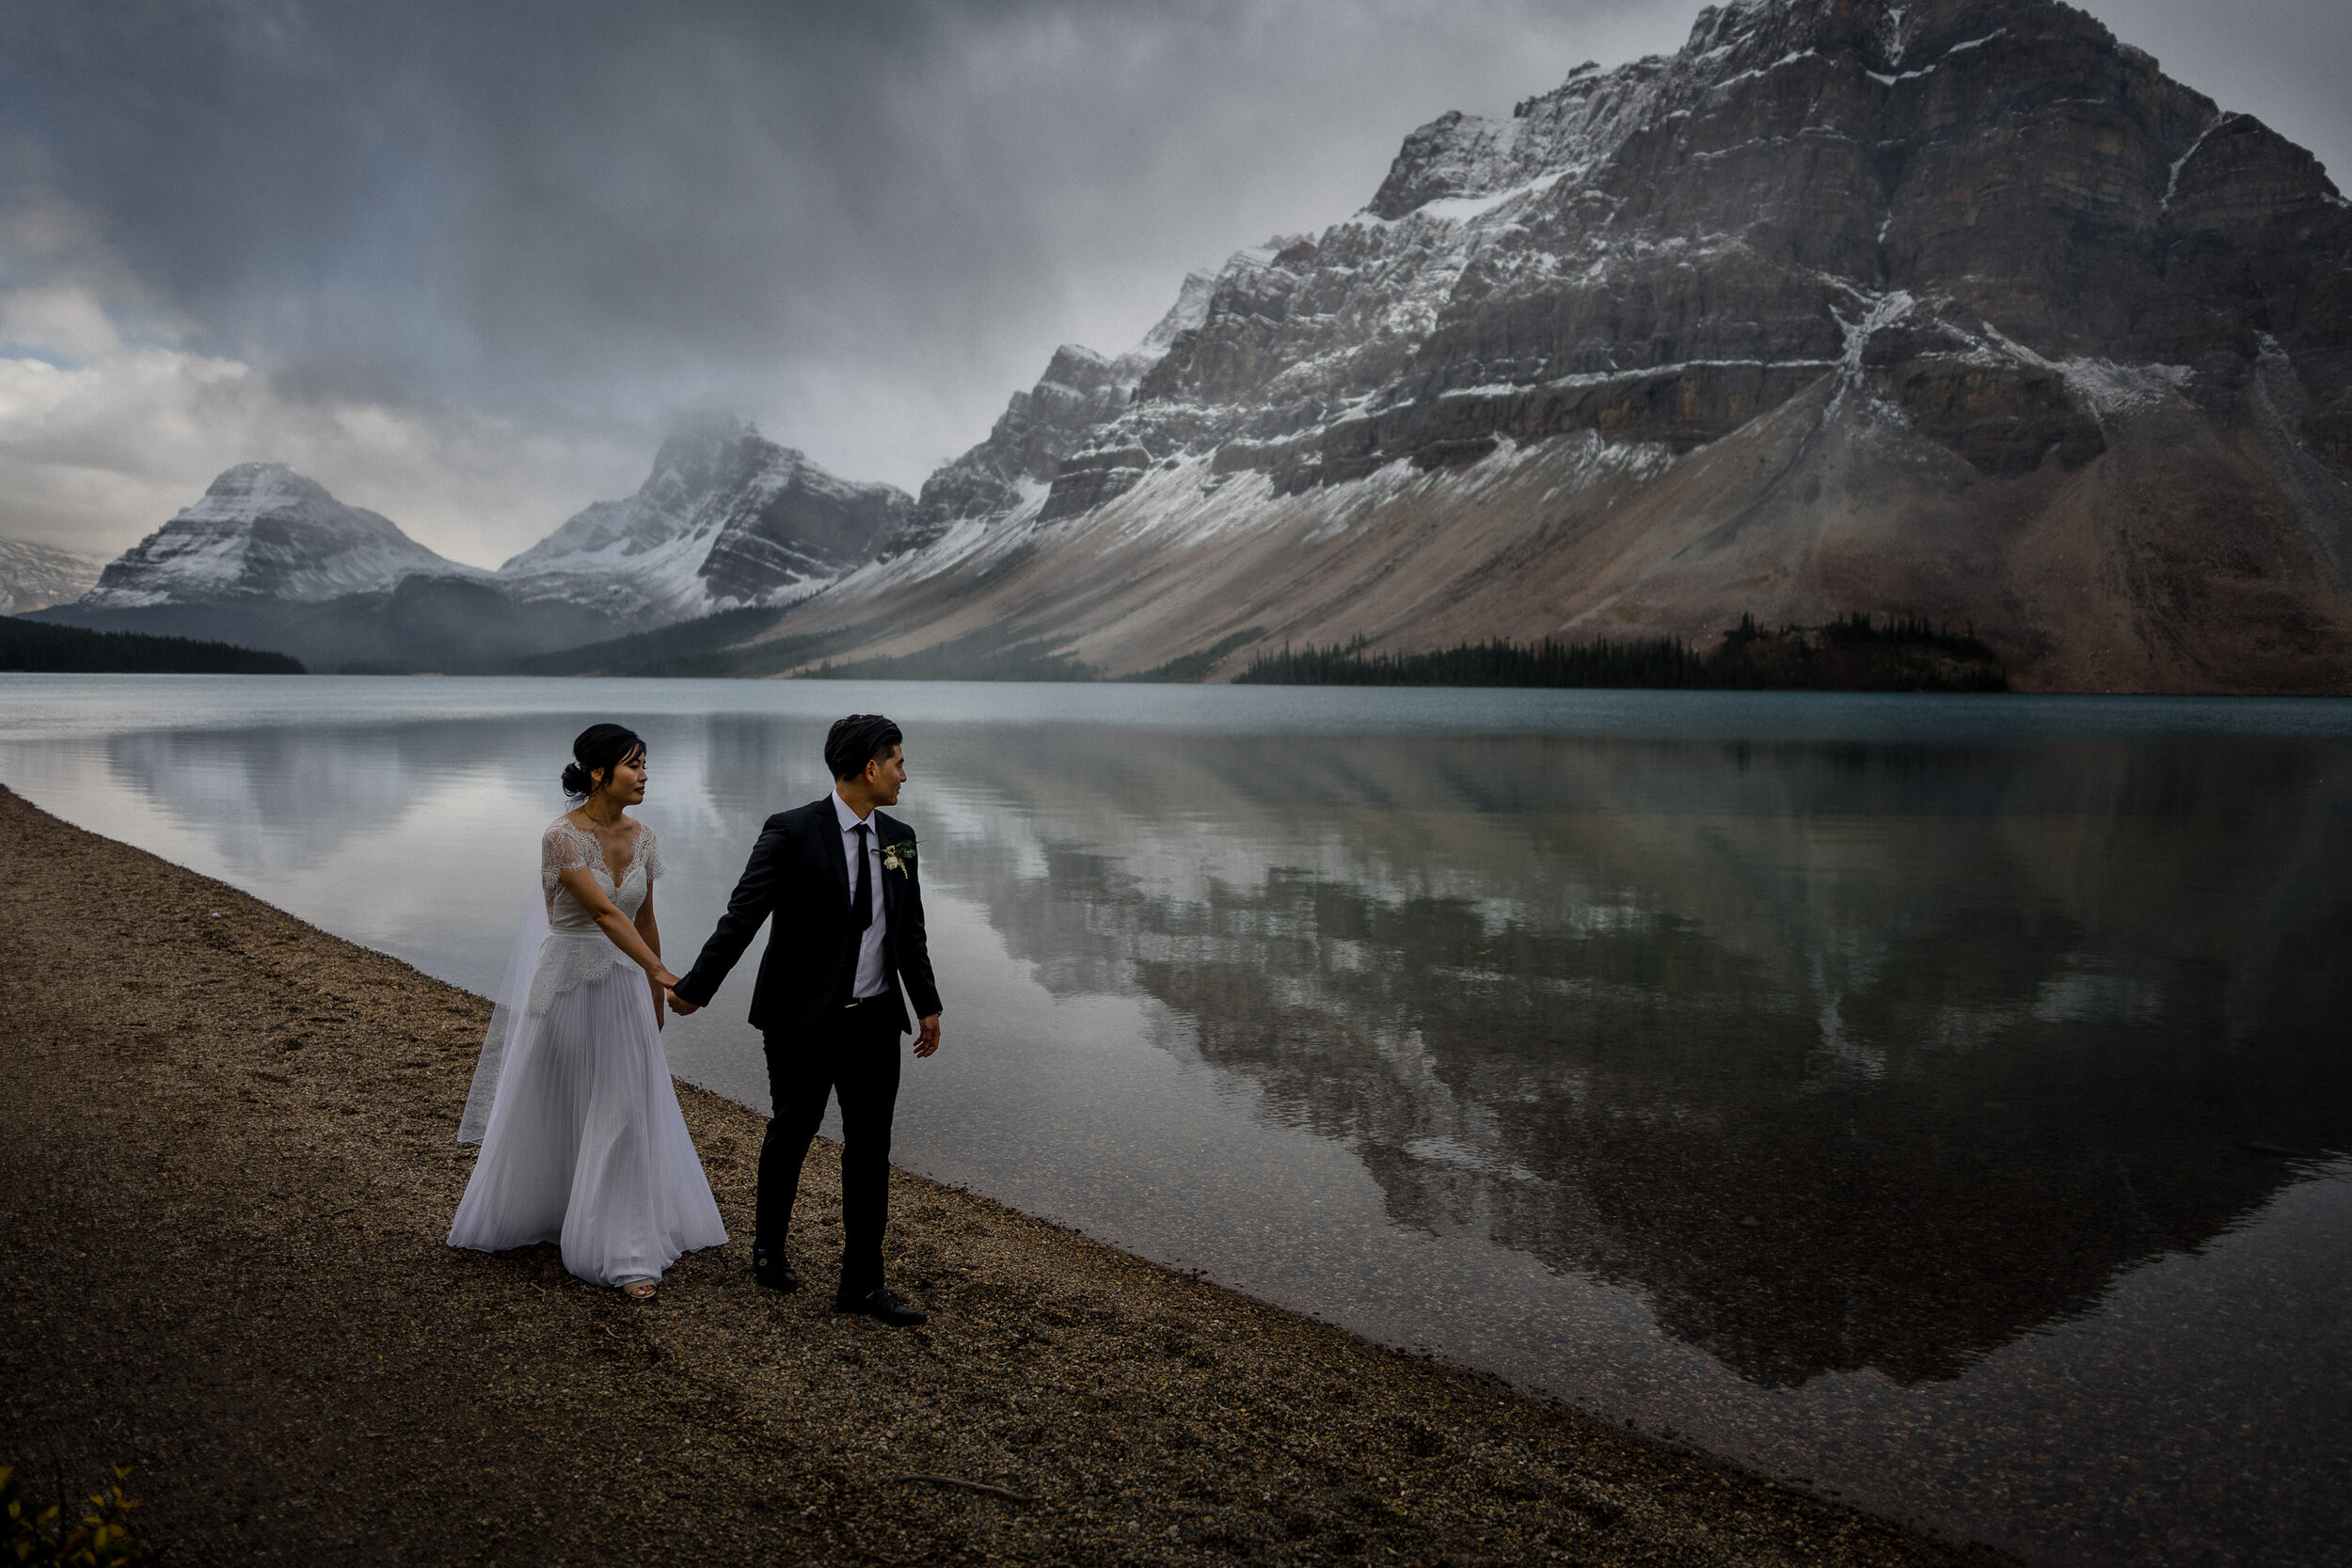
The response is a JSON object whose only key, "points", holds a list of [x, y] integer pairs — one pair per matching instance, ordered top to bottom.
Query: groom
{"points": [[839, 878]]}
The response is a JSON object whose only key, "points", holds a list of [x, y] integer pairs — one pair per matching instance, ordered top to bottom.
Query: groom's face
{"points": [[886, 775]]}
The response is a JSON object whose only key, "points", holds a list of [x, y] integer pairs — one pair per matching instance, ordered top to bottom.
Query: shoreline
{"points": [[233, 1167]]}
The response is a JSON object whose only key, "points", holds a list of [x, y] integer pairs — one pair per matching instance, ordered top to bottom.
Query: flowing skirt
{"points": [[585, 1144]]}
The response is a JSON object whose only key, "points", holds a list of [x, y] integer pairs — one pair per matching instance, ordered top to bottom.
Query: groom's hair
{"points": [[857, 740]]}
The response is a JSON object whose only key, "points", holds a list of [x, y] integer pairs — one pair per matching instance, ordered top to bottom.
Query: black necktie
{"points": [[861, 903]]}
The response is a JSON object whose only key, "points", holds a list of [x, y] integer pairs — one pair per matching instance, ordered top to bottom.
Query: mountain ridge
{"points": [[1959, 310], [1080, 392], [268, 557]]}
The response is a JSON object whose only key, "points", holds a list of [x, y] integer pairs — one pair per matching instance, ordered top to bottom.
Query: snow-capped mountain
{"points": [[1952, 308], [1956, 309], [1080, 393], [726, 518], [263, 532], [268, 558], [35, 576]]}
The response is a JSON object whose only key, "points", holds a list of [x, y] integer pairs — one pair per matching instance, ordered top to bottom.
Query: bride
{"points": [[572, 1103]]}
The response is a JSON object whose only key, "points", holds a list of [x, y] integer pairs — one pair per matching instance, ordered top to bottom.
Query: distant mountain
{"points": [[1951, 309], [725, 520], [265, 531], [268, 558], [34, 577]]}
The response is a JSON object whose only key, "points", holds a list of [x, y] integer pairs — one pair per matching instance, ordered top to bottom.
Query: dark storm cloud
{"points": [[860, 223], [864, 223]]}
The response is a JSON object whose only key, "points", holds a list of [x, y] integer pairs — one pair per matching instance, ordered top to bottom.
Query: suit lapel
{"points": [[887, 831], [837, 853]]}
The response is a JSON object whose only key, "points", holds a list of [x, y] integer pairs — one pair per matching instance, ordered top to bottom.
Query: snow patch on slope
{"points": [[1955, 49], [1463, 209], [2111, 389], [1183, 504]]}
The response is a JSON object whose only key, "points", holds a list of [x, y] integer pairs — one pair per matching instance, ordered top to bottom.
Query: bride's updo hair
{"points": [[599, 749]]}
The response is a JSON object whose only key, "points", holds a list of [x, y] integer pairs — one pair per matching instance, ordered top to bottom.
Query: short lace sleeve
{"points": [[563, 848], [652, 854]]}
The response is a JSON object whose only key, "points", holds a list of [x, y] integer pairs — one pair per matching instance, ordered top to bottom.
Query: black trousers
{"points": [[854, 1055]]}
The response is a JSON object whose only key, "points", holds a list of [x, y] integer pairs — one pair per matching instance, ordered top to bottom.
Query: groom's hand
{"points": [[681, 1007], [927, 1042]]}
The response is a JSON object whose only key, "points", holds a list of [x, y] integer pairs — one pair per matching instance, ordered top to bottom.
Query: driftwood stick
{"points": [[961, 1484]]}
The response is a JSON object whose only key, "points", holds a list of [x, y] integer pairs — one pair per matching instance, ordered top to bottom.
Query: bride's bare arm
{"points": [[614, 925], [649, 931]]}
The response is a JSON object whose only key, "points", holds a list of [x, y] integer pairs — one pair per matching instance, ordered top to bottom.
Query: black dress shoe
{"points": [[774, 1271], [879, 1303]]}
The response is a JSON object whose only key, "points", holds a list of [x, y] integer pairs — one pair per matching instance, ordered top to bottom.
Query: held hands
{"points": [[664, 989], [927, 1042]]}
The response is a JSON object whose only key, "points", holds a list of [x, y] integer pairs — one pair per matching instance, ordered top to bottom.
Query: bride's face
{"points": [[627, 783]]}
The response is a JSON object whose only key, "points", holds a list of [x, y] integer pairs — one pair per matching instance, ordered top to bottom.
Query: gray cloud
{"points": [[470, 260]]}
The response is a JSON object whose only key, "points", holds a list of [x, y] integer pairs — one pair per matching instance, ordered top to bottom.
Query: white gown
{"points": [[581, 1138]]}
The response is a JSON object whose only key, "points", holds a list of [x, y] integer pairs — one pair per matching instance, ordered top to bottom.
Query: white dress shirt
{"points": [[869, 953]]}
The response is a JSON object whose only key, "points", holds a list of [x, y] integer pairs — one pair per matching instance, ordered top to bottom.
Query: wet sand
{"points": [[230, 1158]]}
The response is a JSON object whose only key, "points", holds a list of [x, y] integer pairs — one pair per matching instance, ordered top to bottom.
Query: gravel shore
{"points": [[230, 1167]]}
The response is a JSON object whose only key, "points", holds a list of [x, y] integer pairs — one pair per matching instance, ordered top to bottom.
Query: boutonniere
{"points": [[898, 857]]}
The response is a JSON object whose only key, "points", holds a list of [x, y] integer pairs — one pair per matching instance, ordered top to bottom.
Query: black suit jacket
{"points": [[799, 875]]}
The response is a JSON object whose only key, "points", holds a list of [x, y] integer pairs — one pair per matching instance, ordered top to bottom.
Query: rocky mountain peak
{"points": [[1725, 217], [1978, 249], [1191, 309], [1043, 427], [698, 460], [257, 485], [726, 517], [262, 531]]}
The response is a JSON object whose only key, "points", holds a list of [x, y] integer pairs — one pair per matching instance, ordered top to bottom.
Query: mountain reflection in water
{"points": [[1847, 1057], [1952, 1115]]}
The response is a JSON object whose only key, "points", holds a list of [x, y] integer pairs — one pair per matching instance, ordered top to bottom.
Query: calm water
{"points": [[1944, 1103]]}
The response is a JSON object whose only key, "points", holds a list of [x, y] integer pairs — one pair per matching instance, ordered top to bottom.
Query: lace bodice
{"points": [[565, 847], [577, 949]]}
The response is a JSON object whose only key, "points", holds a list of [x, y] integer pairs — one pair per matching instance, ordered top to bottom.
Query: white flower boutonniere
{"points": [[898, 857]]}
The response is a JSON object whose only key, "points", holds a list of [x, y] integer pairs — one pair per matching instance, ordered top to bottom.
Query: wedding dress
{"points": [[582, 1139]]}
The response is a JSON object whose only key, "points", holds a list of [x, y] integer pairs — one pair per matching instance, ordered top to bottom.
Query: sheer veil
{"points": [[510, 1019]]}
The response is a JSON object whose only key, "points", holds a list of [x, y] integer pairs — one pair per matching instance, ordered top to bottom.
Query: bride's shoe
{"points": [[641, 1289]]}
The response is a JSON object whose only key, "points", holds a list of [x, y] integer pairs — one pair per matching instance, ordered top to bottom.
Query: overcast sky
{"points": [[465, 263]]}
